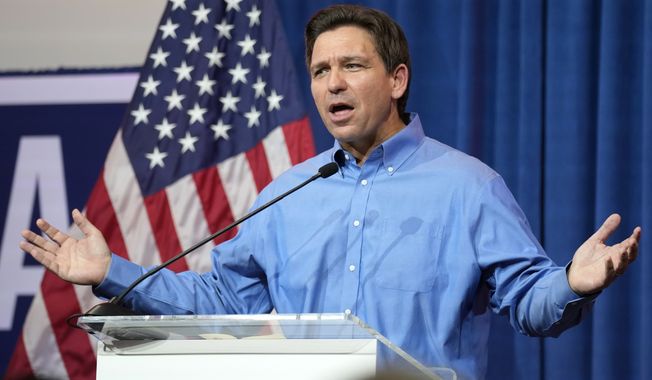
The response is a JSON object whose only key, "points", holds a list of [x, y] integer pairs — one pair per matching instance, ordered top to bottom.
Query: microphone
{"points": [[114, 306]]}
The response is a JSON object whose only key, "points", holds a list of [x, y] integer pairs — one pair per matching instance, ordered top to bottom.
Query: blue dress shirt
{"points": [[419, 242]]}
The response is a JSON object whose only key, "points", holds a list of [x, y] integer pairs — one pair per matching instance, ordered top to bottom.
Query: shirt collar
{"points": [[395, 150]]}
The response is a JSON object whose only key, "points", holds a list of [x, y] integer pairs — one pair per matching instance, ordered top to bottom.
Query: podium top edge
{"points": [[222, 317]]}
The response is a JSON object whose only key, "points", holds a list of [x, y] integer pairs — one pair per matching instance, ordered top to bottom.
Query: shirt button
{"points": [[346, 156], [390, 169], [364, 182], [356, 223], [351, 268], [347, 311]]}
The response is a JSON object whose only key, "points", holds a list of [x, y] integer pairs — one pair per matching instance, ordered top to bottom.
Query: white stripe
{"points": [[68, 88], [276, 151], [238, 182], [127, 200], [190, 222], [85, 296], [86, 300], [40, 344]]}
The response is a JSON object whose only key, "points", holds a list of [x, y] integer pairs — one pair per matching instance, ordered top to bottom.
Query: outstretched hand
{"points": [[84, 261], [596, 265]]}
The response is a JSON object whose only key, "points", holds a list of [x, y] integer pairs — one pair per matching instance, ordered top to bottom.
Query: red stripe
{"points": [[298, 138], [259, 166], [214, 202], [99, 210], [165, 234], [60, 302], [19, 367]]}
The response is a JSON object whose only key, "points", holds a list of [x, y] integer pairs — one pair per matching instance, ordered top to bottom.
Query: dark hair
{"points": [[387, 35]]}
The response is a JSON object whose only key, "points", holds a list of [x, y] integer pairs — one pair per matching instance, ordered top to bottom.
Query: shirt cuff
{"points": [[120, 275], [564, 295]]}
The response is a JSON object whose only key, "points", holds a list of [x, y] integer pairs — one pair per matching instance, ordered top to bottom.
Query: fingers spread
{"points": [[82, 222], [607, 228], [52, 232], [40, 241], [632, 249], [42, 256], [619, 256], [609, 271]]}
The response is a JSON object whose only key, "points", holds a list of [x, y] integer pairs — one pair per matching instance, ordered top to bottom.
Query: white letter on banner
{"points": [[39, 164]]}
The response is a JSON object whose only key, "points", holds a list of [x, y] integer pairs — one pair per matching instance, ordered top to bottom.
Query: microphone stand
{"points": [[114, 305]]}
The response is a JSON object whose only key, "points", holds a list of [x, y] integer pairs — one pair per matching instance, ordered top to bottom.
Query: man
{"points": [[414, 237]]}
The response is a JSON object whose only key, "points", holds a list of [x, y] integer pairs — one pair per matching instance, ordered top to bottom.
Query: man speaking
{"points": [[417, 239]]}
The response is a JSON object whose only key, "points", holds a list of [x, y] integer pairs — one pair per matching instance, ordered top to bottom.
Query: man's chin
{"points": [[344, 136]]}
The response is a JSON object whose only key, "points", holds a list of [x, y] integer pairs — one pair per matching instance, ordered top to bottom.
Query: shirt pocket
{"points": [[408, 255]]}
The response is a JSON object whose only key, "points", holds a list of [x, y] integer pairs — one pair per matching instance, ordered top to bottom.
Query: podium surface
{"points": [[266, 346]]}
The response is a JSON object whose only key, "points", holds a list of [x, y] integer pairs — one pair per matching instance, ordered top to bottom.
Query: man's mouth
{"points": [[340, 111]]}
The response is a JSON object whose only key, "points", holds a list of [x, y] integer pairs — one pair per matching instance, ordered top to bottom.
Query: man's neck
{"points": [[361, 150]]}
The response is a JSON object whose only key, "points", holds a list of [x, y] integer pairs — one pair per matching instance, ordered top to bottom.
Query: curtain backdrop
{"points": [[557, 97]]}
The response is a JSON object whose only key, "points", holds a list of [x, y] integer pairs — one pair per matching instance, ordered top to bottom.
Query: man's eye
{"points": [[353, 66], [318, 72]]}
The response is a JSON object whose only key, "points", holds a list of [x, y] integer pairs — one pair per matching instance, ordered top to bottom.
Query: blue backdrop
{"points": [[557, 97]]}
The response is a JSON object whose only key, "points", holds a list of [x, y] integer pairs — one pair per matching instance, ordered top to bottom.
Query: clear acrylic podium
{"points": [[243, 347]]}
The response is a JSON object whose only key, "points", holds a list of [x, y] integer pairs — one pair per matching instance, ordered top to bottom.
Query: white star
{"points": [[178, 4], [233, 4], [201, 14], [254, 16], [169, 29], [224, 29], [192, 43], [247, 45], [160, 57], [214, 57], [263, 58], [183, 72], [238, 74], [205, 85], [259, 86], [149, 87], [174, 100], [274, 101], [228, 102], [196, 114], [141, 115], [252, 117], [165, 129], [221, 130], [188, 143], [156, 158]]}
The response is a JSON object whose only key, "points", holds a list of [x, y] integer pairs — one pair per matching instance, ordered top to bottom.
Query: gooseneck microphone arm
{"points": [[114, 307]]}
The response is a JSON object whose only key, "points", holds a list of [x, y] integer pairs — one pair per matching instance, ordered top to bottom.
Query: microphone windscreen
{"points": [[328, 170]]}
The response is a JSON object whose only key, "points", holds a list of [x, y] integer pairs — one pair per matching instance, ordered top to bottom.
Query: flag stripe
{"points": [[197, 112], [299, 138], [276, 152], [259, 166], [239, 184], [125, 196], [214, 202], [100, 212], [160, 217], [190, 222], [86, 300], [73, 343], [40, 344], [19, 365]]}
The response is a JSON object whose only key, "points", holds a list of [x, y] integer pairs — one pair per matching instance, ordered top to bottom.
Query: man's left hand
{"points": [[596, 265]]}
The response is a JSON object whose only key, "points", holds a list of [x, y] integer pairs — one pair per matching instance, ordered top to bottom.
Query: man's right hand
{"points": [[84, 261]]}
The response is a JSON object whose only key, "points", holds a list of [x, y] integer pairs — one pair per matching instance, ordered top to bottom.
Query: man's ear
{"points": [[400, 77]]}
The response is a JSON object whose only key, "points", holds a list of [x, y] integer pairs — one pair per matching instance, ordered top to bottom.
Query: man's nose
{"points": [[336, 81]]}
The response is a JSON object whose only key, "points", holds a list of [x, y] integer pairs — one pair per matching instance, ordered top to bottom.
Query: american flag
{"points": [[215, 117]]}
